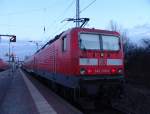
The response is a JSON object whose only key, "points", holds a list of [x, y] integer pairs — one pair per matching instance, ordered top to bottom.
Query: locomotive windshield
{"points": [[89, 41], [99, 42], [110, 43]]}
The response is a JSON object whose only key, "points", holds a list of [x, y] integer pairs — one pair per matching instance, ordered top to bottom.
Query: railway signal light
{"points": [[13, 39]]}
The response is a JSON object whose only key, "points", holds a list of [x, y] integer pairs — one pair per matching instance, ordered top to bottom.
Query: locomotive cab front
{"points": [[100, 55], [100, 60]]}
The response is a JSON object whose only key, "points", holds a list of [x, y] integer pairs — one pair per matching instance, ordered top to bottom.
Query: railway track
{"points": [[129, 103], [103, 109]]}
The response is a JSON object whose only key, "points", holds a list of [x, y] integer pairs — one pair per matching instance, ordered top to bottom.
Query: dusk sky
{"points": [[27, 18]]}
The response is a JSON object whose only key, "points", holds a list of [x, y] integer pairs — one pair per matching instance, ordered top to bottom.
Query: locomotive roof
{"points": [[78, 29], [96, 30], [51, 41]]}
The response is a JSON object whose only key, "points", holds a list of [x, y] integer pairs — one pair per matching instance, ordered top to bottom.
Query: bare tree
{"points": [[113, 26], [146, 43]]}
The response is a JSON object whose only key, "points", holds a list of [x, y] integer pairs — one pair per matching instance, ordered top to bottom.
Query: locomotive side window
{"points": [[89, 41], [64, 43], [110, 43]]}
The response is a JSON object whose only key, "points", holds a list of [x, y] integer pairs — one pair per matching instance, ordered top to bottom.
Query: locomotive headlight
{"points": [[102, 54], [82, 71], [120, 71]]}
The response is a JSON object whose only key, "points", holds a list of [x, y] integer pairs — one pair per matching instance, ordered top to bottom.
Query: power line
{"points": [[70, 5], [87, 6], [27, 11], [22, 12], [80, 12], [60, 18], [63, 26], [59, 29]]}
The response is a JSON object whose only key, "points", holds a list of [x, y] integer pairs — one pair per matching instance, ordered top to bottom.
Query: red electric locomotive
{"points": [[88, 61], [3, 65]]}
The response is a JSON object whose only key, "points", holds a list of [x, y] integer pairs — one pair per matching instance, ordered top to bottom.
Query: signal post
{"points": [[12, 38]]}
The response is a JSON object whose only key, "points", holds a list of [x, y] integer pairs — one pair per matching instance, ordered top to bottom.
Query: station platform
{"points": [[22, 94]]}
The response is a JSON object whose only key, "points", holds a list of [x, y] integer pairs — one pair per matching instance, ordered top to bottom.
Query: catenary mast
{"points": [[77, 13], [78, 20]]}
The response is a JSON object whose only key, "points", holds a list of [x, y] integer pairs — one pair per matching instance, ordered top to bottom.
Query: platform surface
{"points": [[22, 94], [17, 99]]}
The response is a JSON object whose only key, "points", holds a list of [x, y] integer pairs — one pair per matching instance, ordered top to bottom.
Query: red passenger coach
{"points": [[85, 60], [3, 65]]}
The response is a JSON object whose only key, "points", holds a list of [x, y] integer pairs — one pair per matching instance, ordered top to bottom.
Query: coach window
{"points": [[64, 43]]}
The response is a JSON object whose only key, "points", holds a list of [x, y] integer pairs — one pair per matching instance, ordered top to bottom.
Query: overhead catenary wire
{"points": [[87, 6], [39, 10], [66, 10], [27, 11], [23, 12], [61, 16], [58, 19], [63, 26], [59, 29]]}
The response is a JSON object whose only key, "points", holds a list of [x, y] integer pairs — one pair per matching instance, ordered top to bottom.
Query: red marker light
{"points": [[89, 71], [113, 71]]}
